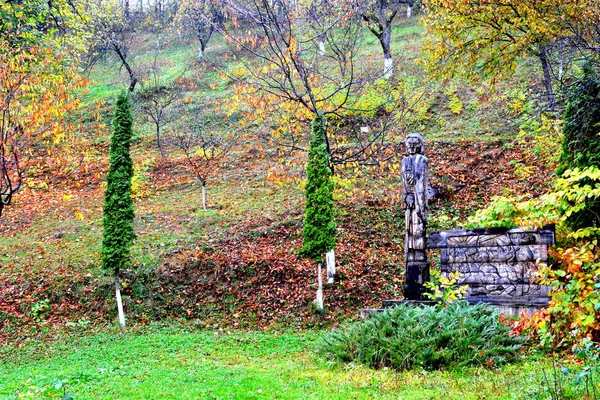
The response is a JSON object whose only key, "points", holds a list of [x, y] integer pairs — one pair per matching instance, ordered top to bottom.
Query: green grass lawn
{"points": [[180, 362]]}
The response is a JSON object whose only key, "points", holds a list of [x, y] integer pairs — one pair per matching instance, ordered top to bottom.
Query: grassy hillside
{"points": [[235, 264]]}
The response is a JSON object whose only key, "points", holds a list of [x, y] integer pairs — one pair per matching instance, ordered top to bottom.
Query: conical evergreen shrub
{"points": [[118, 215], [319, 227]]}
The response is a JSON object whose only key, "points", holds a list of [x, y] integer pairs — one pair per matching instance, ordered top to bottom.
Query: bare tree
{"points": [[126, 9], [317, 11], [379, 16], [159, 17], [201, 17], [113, 32], [280, 50], [159, 100], [204, 150]]}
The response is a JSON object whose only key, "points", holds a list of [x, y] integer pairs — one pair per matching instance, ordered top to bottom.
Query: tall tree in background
{"points": [[491, 36], [204, 150], [118, 216]]}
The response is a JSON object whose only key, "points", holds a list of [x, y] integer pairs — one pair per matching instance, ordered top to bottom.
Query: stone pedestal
{"points": [[417, 273]]}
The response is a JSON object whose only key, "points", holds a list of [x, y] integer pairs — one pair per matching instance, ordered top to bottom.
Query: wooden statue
{"points": [[414, 189]]}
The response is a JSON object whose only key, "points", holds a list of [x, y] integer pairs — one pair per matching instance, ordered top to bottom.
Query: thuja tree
{"points": [[581, 139], [118, 206], [319, 226]]}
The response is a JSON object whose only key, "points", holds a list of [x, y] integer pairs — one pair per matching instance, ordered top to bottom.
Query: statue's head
{"points": [[414, 144]]}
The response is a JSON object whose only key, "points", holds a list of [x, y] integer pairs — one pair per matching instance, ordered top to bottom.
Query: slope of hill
{"points": [[235, 264]]}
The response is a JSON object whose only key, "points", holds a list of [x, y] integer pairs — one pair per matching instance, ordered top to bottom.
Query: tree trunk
{"points": [[158, 10], [408, 11], [204, 34], [321, 44], [561, 60], [388, 61], [388, 67], [132, 78], [547, 78], [158, 141], [204, 195], [330, 259], [319, 299], [119, 302]]}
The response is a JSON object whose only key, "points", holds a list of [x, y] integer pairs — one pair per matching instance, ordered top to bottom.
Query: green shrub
{"points": [[581, 140], [319, 227], [574, 309], [430, 337]]}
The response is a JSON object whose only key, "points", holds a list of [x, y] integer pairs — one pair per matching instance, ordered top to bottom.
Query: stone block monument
{"points": [[498, 265]]}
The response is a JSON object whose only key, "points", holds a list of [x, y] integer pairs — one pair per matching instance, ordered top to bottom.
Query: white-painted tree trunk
{"points": [[408, 11], [321, 45], [200, 53], [561, 60], [388, 67], [561, 69], [204, 196], [330, 259], [319, 299], [119, 302]]}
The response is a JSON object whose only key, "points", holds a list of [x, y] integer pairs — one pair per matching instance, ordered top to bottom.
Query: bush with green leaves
{"points": [[581, 139], [567, 198], [319, 227], [574, 309], [429, 337]]}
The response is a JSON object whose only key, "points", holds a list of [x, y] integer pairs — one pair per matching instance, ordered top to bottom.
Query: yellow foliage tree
{"points": [[492, 35], [37, 78]]}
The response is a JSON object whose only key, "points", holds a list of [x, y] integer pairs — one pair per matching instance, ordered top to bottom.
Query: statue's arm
{"points": [[403, 166], [421, 188], [404, 191]]}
